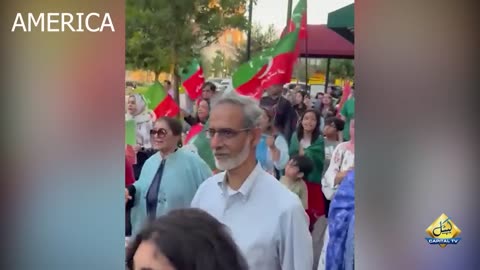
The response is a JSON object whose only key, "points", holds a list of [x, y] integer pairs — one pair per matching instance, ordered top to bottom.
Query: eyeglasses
{"points": [[161, 132], [224, 133]]}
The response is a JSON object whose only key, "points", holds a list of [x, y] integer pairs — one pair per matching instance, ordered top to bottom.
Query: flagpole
{"points": [[289, 12], [249, 33], [306, 46], [327, 74]]}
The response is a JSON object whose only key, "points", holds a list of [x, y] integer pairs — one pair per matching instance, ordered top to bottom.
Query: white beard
{"points": [[234, 162]]}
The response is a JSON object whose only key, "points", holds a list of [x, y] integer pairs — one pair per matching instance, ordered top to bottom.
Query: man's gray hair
{"points": [[251, 110]]}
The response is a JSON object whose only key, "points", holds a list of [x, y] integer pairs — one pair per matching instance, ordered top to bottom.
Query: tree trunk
{"points": [[157, 75], [176, 77]]}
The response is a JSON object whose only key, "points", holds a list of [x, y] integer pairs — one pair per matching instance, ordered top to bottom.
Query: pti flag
{"points": [[273, 66], [192, 79], [159, 101], [198, 142]]}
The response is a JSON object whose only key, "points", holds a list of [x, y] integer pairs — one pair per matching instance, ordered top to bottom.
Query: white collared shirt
{"points": [[266, 220]]}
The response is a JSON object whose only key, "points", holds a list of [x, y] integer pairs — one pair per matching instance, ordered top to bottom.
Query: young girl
{"points": [[331, 131], [307, 141], [343, 159], [295, 171]]}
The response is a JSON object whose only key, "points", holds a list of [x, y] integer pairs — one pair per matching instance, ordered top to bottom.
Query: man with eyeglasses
{"points": [[267, 221]]}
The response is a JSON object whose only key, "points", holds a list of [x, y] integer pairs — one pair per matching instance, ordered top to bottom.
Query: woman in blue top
{"points": [[272, 149], [169, 178]]}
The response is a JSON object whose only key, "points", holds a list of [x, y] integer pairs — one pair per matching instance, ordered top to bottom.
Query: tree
{"points": [[163, 35], [261, 39], [218, 64], [342, 68], [339, 69], [299, 70]]}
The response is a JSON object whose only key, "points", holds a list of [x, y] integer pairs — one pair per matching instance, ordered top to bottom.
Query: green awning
{"points": [[342, 21]]}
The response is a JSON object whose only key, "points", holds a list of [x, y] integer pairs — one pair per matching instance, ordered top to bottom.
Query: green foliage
{"points": [[165, 34], [261, 39], [218, 64], [339, 69]]}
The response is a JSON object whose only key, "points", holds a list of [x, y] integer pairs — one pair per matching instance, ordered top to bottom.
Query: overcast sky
{"points": [[275, 11]]}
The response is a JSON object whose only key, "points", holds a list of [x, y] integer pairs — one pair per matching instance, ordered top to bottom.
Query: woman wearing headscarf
{"points": [[137, 111], [272, 149], [169, 178]]}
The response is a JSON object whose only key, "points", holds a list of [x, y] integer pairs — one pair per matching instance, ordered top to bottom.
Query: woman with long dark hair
{"points": [[299, 104], [326, 108], [201, 117], [308, 141], [272, 149]]}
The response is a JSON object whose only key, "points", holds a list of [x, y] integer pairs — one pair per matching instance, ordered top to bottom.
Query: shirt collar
{"points": [[247, 186]]}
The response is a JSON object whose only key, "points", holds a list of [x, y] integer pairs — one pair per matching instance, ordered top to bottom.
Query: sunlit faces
{"points": [[207, 92], [298, 98], [327, 99], [307, 101], [131, 105], [203, 109], [309, 121], [329, 130], [162, 136], [231, 142], [292, 171], [149, 257]]}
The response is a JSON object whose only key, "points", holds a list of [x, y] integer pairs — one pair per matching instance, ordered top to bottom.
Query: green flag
{"points": [[273, 66], [192, 77], [154, 94], [158, 100], [130, 132]]}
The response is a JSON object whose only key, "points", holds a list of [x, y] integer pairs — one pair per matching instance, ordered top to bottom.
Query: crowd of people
{"points": [[270, 188]]}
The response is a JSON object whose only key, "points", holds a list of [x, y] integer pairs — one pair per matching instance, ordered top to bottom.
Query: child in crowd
{"points": [[331, 131], [297, 168]]}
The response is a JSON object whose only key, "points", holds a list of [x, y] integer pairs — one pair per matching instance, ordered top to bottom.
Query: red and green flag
{"points": [[299, 19], [273, 66], [192, 79], [347, 90], [159, 101], [200, 144]]}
